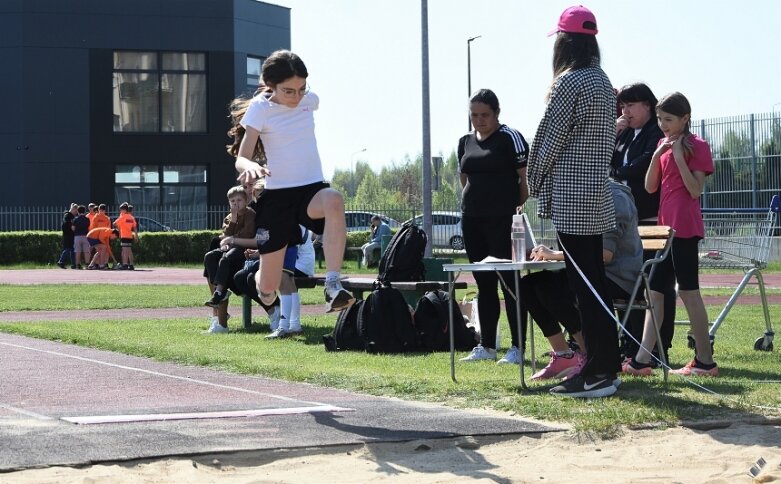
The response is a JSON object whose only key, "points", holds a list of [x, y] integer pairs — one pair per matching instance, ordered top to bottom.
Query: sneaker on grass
{"points": [[336, 297], [215, 327], [278, 333], [480, 353], [513, 357], [560, 366], [632, 367], [697, 368], [586, 387]]}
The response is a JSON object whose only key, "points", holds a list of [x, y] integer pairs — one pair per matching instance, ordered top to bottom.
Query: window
{"points": [[254, 65], [156, 92], [175, 195]]}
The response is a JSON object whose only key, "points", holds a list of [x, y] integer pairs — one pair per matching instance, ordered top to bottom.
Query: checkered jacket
{"points": [[570, 157]]}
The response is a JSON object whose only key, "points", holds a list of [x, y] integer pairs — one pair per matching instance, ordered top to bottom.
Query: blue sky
{"points": [[364, 62]]}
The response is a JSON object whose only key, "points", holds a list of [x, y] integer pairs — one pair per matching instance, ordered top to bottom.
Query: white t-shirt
{"points": [[288, 136], [305, 261]]}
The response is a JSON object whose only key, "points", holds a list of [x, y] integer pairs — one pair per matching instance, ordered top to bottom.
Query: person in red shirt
{"points": [[126, 224], [100, 239]]}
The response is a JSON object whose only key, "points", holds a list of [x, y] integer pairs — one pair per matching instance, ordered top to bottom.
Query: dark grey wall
{"points": [[56, 138]]}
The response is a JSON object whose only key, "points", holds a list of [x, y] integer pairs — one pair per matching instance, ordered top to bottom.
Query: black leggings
{"points": [[484, 236], [550, 302], [597, 325]]}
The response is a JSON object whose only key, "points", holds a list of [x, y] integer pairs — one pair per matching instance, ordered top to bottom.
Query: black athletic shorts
{"points": [[279, 214], [125, 242]]}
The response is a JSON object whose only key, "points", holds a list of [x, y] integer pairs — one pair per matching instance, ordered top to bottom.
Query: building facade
{"points": [[111, 101]]}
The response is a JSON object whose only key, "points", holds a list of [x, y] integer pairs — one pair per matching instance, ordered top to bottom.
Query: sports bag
{"points": [[403, 259], [385, 323], [431, 324], [345, 335]]}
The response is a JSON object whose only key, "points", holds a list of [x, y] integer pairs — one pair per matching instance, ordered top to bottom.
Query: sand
{"points": [[672, 455]]}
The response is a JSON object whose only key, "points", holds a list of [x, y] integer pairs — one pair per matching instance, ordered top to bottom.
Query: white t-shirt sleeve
{"points": [[255, 116]]}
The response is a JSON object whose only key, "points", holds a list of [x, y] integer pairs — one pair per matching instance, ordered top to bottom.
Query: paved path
{"points": [[62, 404]]}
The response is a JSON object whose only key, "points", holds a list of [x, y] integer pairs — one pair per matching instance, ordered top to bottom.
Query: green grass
{"points": [[427, 376]]}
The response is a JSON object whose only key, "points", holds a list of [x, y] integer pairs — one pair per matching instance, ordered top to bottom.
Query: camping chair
{"points": [[658, 238]]}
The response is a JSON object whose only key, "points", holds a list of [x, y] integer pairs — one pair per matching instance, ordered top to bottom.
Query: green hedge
{"points": [[42, 247]]}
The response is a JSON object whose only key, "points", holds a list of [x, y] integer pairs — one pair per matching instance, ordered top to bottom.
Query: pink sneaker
{"points": [[559, 366], [693, 368], [629, 369]]}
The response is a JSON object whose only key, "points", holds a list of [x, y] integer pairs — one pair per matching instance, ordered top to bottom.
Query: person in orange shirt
{"points": [[92, 210], [100, 219], [126, 224], [100, 238]]}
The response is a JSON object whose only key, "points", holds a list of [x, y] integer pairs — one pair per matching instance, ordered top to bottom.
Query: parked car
{"points": [[357, 220], [146, 224], [445, 228]]}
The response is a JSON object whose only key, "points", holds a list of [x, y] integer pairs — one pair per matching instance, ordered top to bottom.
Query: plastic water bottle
{"points": [[518, 239]]}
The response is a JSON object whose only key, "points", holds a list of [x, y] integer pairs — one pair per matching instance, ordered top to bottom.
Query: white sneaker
{"points": [[337, 297], [273, 318], [215, 327], [278, 333], [480, 353], [513, 357]]}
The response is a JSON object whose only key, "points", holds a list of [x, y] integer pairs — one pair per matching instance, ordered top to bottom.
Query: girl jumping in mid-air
{"points": [[281, 116], [679, 167]]}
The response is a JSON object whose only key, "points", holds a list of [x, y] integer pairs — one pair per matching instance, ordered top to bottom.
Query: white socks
{"points": [[285, 303], [295, 311]]}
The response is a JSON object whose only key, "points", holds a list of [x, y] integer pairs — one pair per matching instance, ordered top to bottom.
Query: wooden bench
{"points": [[412, 291]]}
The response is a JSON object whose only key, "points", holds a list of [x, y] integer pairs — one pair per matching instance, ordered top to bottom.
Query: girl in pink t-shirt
{"points": [[679, 166]]}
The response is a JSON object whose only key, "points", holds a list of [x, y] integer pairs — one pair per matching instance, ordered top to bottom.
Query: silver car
{"points": [[445, 228]]}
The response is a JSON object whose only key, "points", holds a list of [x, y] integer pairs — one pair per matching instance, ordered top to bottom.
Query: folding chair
{"points": [[658, 238]]}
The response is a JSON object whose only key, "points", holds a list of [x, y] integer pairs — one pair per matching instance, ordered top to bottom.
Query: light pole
{"points": [[469, 74], [352, 159]]}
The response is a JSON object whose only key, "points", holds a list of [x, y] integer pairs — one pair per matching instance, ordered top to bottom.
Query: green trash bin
{"points": [[433, 266]]}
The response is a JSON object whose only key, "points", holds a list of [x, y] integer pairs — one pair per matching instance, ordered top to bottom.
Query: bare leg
{"points": [[329, 204], [269, 275], [698, 318], [649, 333], [558, 343]]}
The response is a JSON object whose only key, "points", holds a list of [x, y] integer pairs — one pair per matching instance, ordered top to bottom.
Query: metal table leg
{"points": [[450, 283], [518, 322]]}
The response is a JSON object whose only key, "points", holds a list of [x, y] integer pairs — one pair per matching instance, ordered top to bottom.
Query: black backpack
{"points": [[403, 259], [385, 322], [431, 324], [345, 335]]}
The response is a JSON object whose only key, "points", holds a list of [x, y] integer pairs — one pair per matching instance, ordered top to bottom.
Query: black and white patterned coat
{"points": [[570, 157]]}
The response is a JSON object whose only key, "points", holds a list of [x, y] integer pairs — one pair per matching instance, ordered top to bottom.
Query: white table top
{"points": [[504, 266]]}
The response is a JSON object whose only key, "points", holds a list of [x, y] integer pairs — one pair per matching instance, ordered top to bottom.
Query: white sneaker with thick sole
{"points": [[278, 333], [480, 353], [513, 357]]}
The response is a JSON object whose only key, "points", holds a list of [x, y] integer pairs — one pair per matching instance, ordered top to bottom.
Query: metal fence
{"points": [[746, 153]]}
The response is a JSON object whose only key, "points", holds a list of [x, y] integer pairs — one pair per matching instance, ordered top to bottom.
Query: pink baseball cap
{"points": [[576, 20]]}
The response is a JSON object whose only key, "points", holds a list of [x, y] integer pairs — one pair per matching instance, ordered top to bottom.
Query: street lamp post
{"points": [[469, 74], [352, 168]]}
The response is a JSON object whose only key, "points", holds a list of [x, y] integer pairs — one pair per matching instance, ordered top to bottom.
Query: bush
{"points": [[152, 247]]}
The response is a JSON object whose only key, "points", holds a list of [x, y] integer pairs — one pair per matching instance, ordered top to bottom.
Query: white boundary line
{"points": [[174, 377], [25, 412], [101, 419]]}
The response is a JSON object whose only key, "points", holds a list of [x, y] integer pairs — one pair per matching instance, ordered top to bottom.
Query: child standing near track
{"points": [[281, 117], [678, 167], [126, 224]]}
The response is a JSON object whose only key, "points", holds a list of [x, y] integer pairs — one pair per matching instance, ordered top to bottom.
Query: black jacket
{"points": [[641, 149]]}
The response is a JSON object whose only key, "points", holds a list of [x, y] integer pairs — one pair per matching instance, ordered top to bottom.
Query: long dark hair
{"points": [[574, 51], [282, 65], [676, 104], [238, 107]]}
